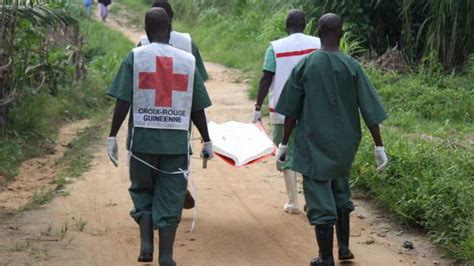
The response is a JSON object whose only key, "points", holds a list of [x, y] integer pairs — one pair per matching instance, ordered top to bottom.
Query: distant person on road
{"points": [[87, 7], [104, 8], [184, 42], [280, 58], [163, 91], [325, 94]]}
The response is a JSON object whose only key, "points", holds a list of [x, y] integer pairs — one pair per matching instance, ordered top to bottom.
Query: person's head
{"points": [[166, 6], [295, 22], [157, 25], [330, 28]]}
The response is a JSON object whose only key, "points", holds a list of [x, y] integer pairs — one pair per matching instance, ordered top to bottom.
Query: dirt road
{"points": [[239, 222]]}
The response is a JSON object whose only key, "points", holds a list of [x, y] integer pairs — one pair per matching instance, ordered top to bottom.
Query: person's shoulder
{"points": [[181, 34], [183, 54], [350, 60]]}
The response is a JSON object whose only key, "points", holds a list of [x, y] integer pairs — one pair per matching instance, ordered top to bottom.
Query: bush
{"points": [[428, 184]]}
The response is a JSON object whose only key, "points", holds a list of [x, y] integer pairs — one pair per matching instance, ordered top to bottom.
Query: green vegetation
{"points": [[75, 91], [430, 180]]}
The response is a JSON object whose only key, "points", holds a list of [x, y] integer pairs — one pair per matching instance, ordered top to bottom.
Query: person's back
{"points": [[326, 94]]}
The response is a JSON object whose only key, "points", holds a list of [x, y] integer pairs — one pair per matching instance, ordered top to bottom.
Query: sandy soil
{"points": [[239, 216]]}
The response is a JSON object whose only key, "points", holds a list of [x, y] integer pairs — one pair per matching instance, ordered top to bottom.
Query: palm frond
{"points": [[38, 15]]}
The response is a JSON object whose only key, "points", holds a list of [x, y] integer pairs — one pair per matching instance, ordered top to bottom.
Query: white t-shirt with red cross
{"points": [[289, 51], [162, 87]]}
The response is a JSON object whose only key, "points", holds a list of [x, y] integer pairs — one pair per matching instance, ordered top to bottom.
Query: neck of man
{"points": [[294, 31], [160, 38], [330, 44]]}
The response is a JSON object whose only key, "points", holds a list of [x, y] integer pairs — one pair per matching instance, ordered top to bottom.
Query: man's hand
{"points": [[257, 116], [112, 150], [207, 152], [281, 153], [381, 158]]}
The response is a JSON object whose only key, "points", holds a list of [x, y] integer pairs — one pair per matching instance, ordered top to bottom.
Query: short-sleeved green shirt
{"points": [[199, 62], [269, 63], [326, 92], [155, 141]]}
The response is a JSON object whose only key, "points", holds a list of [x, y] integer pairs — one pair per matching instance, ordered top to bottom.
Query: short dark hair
{"points": [[165, 5]]}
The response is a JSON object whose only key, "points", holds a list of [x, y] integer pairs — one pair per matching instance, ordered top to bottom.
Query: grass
{"points": [[36, 119]]}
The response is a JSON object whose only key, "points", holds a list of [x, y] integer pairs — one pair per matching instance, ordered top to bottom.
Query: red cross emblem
{"points": [[163, 81]]}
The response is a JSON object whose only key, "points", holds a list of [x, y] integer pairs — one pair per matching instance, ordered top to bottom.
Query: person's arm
{"points": [[264, 87], [121, 90], [120, 112], [373, 114], [200, 121], [289, 125], [375, 132]]}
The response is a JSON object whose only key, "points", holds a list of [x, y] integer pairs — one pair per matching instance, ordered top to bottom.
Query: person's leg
{"points": [[102, 11], [106, 12], [290, 176], [141, 191], [342, 196], [168, 202], [323, 215]]}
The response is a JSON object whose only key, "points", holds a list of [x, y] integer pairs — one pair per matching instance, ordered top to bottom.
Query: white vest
{"points": [[178, 40], [289, 52], [163, 79]]}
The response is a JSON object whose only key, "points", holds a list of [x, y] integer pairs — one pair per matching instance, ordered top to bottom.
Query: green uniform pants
{"points": [[277, 138], [155, 192], [324, 198]]}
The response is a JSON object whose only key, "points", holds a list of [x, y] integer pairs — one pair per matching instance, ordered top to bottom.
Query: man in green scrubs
{"points": [[326, 94], [160, 159], [189, 200]]}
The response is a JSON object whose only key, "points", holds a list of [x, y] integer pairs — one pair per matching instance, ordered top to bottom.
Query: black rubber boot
{"points": [[343, 233], [167, 236], [325, 237], [146, 238]]}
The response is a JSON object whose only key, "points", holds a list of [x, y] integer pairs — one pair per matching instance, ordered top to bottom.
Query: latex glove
{"points": [[257, 115], [112, 150], [207, 151], [281, 153], [381, 158]]}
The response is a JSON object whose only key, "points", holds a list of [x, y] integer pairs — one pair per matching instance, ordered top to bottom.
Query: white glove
{"points": [[257, 115], [112, 150], [207, 152], [281, 153], [381, 158]]}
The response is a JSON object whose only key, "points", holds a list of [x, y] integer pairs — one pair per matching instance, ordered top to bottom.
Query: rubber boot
{"points": [[290, 181], [189, 201], [343, 233], [167, 236], [325, 237], [146, 238]]}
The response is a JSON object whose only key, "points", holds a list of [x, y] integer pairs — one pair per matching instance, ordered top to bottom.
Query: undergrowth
{"points": [[36, 118]]}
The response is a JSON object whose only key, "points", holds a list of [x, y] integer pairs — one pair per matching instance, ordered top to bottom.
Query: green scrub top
{"points": [[199, 62], [269, 63], [326, 92], [155, 141]]}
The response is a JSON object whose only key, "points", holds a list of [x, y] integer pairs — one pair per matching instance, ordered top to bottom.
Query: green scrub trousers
{"points": [[156, 192], [324, 198]]}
